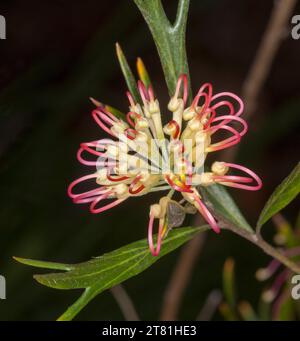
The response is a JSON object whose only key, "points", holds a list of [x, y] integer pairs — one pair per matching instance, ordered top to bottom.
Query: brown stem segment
{"points": [[262, 244]]}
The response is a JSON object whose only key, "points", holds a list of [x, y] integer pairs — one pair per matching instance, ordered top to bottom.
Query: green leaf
{"points": [[169, 38], [128, 74], [116, 112], [281, 197], [218, 199], [45, 265], [104, 272]]}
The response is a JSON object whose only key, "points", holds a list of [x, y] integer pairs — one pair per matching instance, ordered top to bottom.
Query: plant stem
{"points": [[257, 239], [77, 306]]}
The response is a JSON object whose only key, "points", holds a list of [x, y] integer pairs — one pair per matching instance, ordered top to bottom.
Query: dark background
{"points": [[57, 54]]}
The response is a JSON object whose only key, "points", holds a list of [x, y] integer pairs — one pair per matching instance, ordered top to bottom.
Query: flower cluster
{"points": [[145, 156]]}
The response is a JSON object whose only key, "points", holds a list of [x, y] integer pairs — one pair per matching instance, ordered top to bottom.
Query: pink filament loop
{"points": [[182, 79], [210, 90], [143, 92], [151, 93], [230, 94], [130, 98], [207, 98], [195, 103], [224, 103], [221, 104], [134, 115], [209, 115], [104, 119], [225, 120], [177, 128], [131, 133], [231, 141], [101, 144], [87, 147], [84, 161], [232, 178], [115, 179], [135, 181], [233, 183], [86, 194], [90, 196], [95, 210], [207, 215], [155, 252]]}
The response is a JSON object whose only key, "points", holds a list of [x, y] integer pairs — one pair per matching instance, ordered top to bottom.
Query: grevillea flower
{"points": [[144, 156]]}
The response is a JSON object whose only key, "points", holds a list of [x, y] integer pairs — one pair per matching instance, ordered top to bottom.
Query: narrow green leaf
{"points": [[169, 39], [128, 74], [109, 108], [115, 111], [281, 197], [223, 205], [43, 264], [115, 267], [108, 270], [76, 307]]}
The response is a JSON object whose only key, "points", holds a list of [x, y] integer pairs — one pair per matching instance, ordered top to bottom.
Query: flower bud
{"points": [[173, 104], [154, 107], [188, 114], [141, 124], [119, 127], [219, 168], [206, 179], [120, 190], [155, 210]]}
